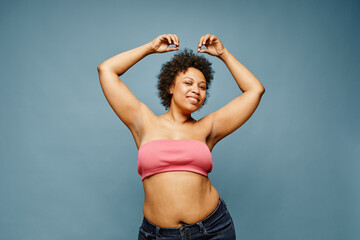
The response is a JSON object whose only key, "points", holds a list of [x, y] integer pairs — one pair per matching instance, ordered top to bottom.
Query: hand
{"points": [[162, 42], [213, 45]]}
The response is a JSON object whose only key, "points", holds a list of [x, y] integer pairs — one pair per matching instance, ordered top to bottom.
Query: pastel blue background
{"points": [[68, 164]]}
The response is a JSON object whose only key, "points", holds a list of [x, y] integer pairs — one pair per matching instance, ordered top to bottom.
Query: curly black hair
{"points": [[180, 63]]}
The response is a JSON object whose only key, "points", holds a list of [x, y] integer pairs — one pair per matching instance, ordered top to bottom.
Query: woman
{"points": [[174, 149]]}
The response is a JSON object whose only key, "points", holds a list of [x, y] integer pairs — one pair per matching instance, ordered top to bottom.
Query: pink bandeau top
{"points": [[166, 155]]}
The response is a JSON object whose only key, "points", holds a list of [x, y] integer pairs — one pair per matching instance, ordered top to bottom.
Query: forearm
{"points": [[120, 63], [243, 77]]}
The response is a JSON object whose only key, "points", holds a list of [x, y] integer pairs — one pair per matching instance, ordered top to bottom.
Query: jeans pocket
{"points": [[220, 225], [143, 234]]}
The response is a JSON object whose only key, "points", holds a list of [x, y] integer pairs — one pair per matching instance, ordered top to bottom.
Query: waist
{"points": [[174, 198], [153, 228]]}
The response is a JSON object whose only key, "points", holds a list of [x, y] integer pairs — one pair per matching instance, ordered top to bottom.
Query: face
{"points": [[189, 90]]}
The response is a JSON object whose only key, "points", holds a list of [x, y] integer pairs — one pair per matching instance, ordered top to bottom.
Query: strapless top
{"points": [[166, 155]]}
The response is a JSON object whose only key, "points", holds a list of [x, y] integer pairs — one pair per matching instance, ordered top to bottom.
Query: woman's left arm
{"points": [[234, 114]]}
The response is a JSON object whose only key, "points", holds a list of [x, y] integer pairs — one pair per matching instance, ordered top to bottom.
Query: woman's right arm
{"points": [[129, 109]]}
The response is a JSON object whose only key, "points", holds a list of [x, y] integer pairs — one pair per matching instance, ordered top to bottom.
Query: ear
{"points": [[171, 89]]}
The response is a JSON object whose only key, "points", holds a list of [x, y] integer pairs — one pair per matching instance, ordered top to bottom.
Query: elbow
{"points": [[103, 66], [100, 67], [260, 90]]}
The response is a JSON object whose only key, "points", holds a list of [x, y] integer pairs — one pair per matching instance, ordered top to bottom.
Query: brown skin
{"points": [[189, 92], [173, 198], [164, 205]]}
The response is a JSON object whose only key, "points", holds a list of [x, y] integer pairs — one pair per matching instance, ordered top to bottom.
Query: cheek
{"points": [[184, 89], [204, 95]]}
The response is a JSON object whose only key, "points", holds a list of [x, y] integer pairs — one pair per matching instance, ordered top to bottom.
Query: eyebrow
{"points": [[194, 80]]}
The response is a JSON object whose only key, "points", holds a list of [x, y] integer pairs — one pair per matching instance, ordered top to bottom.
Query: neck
{"points": [[177, 116]]}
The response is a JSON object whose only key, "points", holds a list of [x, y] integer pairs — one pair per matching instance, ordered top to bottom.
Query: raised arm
{"points": [[129, 109], [234, 114]]}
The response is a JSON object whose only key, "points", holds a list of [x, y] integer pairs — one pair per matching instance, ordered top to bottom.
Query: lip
{"points": [[194, 97]]}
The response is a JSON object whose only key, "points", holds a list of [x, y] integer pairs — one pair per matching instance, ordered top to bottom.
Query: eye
{"points": [[188, 83], [203, 87]]}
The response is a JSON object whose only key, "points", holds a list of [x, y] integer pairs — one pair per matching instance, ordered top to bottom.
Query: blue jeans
{"points": [[218, 225]]}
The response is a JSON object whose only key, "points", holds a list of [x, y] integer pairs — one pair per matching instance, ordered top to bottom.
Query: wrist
{"points": [[149, 48], [224, 54]]}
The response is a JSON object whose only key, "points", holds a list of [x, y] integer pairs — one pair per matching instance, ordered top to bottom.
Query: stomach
{"points": [[175, 198]]}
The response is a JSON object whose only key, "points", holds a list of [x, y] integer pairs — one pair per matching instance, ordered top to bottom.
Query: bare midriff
{"points": [[176, 198]]}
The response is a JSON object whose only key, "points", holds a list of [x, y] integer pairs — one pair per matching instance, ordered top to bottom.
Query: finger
{"points": [[163, 38], [168, 38], [206, 38], [173, 39], [212, 39], [177, 40], [200, 43], [169, 49], [204, 50]]}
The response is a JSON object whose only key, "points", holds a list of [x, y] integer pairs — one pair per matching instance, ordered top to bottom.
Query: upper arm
{"points": [[126, 106], [234, 114]]}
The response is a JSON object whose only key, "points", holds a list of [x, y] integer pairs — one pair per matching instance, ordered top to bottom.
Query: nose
{"points": [[195, 89]]}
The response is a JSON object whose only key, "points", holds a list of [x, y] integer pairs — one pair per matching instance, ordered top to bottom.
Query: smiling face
{"points": [[189, 90]]}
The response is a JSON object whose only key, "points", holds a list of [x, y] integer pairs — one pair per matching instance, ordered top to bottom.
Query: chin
{"points": [[195, 108]]}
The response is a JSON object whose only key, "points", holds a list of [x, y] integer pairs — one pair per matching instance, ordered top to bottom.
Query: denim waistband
{"points": [[186, 227]]}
